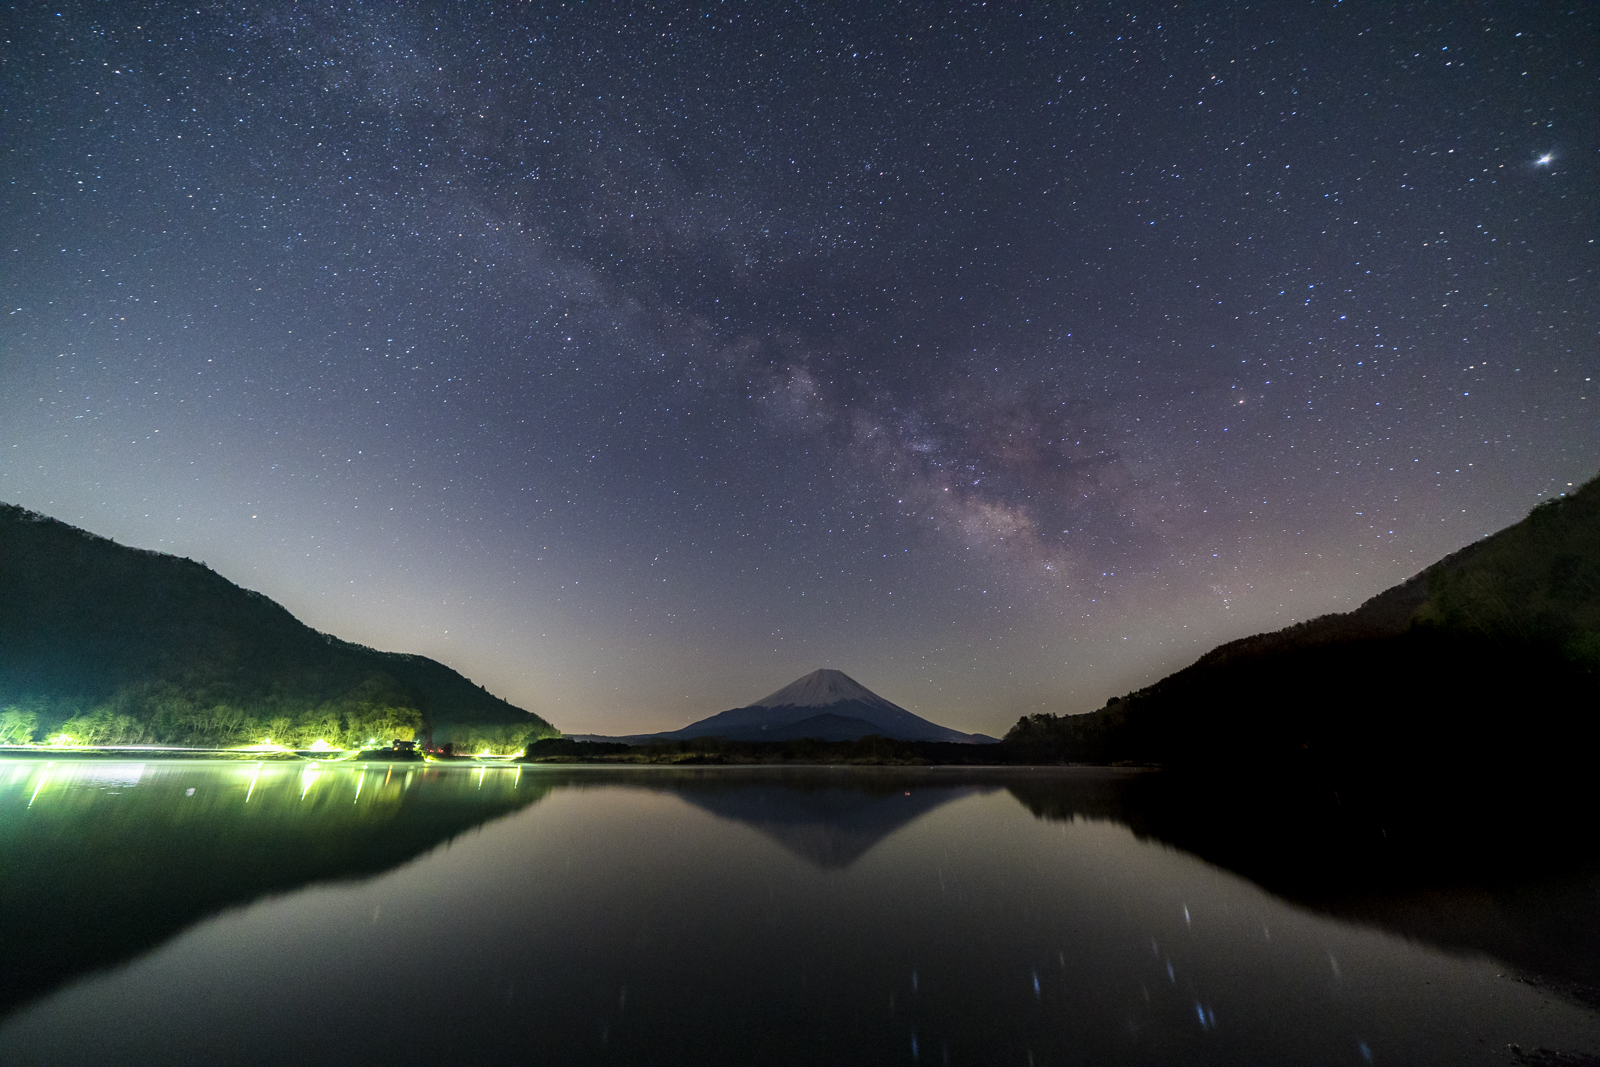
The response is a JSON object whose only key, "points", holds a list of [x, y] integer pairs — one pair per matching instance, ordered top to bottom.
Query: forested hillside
{"points": [[109, 644], [1490, 656]]}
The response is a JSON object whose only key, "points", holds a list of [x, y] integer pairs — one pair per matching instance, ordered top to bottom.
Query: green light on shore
{"points": [[266, 744]]}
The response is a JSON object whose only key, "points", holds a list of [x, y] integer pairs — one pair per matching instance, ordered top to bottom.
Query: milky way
{"points": [[636, 361]]}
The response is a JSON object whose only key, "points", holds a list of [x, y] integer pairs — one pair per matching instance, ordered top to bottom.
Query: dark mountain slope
{"points": [[1537, 581], [115, 644], [1489, 658]]}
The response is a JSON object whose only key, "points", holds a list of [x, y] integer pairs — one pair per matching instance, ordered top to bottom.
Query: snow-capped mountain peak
{"points": [[818, 689]]}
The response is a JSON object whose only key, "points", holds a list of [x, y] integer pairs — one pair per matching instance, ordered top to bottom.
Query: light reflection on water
{"points": [[653, 916]]}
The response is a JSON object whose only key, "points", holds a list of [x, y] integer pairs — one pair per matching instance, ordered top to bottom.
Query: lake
{"points": [[202, 912]]}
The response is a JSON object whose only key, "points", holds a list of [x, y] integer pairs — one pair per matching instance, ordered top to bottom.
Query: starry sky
{"points": [[636, 360]]}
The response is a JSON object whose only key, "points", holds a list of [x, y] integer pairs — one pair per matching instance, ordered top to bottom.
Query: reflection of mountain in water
{"points": [[829, 825], [101, 861], [1535, 906]]}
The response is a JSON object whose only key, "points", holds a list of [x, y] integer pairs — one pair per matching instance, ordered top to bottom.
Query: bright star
{"points": [[1546, 159]]}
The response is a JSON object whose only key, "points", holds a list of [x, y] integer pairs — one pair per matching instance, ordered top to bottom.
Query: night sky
{"points": [[636, 361]]}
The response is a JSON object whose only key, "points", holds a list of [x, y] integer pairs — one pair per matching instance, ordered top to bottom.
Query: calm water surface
{"points": [[227, 913]]}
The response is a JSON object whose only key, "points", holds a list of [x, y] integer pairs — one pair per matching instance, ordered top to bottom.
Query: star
{"points": [[811, 306]]}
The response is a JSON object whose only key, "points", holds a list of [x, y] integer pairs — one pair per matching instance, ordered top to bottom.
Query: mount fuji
{"points": [[826, 705]]}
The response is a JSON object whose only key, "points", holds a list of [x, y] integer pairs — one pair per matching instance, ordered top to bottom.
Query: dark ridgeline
{"points": [[121, 645], [1486, 662], [872, 750]]}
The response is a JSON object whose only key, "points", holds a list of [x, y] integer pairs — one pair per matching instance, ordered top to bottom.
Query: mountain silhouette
{"points": [[111, 644], [1488, 658], [827, 705]]}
